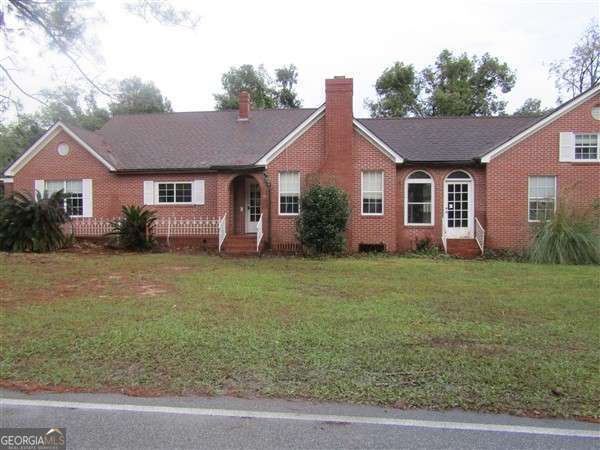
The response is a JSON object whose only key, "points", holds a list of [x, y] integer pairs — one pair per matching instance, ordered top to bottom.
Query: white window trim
{"points": [[584, 161], [529, 177], [419, 181], [64, 189], [280, 193], [362, 193], [156, 196]]}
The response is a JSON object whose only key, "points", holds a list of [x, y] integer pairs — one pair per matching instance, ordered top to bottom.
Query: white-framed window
{"points": [[579, 147], [586, 147], [73, 191], [173, 192], [289, 193], [372, 193], [542, 198], [418, 199]]}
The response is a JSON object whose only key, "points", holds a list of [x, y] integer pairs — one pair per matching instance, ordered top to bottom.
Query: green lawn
{"points": [[393, 331]]}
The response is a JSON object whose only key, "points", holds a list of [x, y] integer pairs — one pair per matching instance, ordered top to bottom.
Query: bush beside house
{"points": [[323, 219]]}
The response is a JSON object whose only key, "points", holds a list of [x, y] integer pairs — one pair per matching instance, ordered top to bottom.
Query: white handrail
{"points": [[222, 230], [259, 232], [479, 235], [445, 241]]}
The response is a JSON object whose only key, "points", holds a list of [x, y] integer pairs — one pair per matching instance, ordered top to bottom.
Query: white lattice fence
{"points": [[89, 226], [164, 226], [172, 226]]}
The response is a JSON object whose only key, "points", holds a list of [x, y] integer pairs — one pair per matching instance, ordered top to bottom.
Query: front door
{"points": [[252, 205], [458, 209]]}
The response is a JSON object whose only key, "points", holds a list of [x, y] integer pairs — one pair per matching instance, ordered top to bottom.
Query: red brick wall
{"points": [[306, 156], [110, 191], [507, 193], [372, 229], [409, 235]]}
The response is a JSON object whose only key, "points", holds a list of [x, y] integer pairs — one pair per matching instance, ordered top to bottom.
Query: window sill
{"points": [[175, 204], [288, 215], [372, 215], [419, 225]]}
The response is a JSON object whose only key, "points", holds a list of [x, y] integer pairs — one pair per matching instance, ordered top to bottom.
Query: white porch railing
{"points": [[89, 226], [163, 226], [222, 230], [259, 232], [479, 235], [445, 241]]}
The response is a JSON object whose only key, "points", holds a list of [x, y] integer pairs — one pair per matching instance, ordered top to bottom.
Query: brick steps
{"points": [[240, 245], [465, 248]]}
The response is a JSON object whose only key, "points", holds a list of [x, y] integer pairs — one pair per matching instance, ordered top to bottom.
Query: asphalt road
{"points": [[116, 421]]}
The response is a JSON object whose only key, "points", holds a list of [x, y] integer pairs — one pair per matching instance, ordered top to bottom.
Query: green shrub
{"points": [[324, 212], [30, 223], [134, 230], [567, 238]]}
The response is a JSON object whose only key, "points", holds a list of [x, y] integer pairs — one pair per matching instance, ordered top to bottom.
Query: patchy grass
{"points": [[491, 336]]}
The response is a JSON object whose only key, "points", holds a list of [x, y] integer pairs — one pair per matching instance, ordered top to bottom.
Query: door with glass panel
{"points": [[252, 206], [458, 206]]}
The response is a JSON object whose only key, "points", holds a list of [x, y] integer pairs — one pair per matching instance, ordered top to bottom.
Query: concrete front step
{"points": [[465, 248]]}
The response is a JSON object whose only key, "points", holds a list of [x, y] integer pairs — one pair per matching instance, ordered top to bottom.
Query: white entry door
{"points": [[252, 205], [458, 208]]}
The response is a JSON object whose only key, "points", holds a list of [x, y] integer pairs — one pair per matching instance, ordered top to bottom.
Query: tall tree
{"points": [[61, 26], [581, 70], [286, 78], [453, 86], [264, 92], [137, 96], [73, 105], [531, 107], [17, 136]]}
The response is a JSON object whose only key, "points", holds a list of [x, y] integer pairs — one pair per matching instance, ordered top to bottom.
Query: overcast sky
{"points": [[327, 38]]}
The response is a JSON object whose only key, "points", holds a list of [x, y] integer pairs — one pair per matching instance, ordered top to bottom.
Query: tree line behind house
{"points": [[455, 84]]}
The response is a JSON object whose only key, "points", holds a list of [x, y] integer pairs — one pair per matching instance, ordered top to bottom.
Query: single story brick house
{"points": [[463, 182]]}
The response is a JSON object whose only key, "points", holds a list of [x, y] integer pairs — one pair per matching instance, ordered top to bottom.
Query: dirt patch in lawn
{"points": [[62, 280]]}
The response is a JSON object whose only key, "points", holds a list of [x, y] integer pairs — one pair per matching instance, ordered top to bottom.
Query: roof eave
{"points": [[543, 122], [37, 146]]}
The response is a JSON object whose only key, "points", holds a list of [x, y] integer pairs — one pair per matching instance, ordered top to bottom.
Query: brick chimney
{"points": [[244, 112], [338, 132]]}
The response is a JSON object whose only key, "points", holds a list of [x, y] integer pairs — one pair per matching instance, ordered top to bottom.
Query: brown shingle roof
{"points": [[446, 139], [197, 140], [201, 140], [95, 141]]}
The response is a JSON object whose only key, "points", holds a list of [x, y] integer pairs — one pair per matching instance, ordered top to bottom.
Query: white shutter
{"points": [[567, 147], [39, 186], [148, 192], [198, 192], [88, 197]]}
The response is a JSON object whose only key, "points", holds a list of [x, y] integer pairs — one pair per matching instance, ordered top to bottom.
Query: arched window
{"points": [[459, 174], [418, 199]]}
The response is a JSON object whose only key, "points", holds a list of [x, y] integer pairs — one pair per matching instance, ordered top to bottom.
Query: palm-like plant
{"points": [[29, 223], [134, 230], [568, 237]]}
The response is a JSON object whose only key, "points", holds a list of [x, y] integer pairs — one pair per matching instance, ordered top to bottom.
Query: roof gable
{"points": [[547, 120], [78, 134]]}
